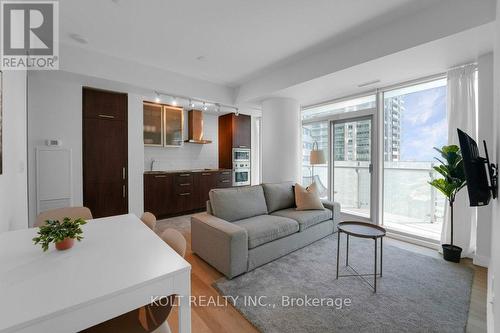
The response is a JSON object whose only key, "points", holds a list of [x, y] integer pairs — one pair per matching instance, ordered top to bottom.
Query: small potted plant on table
{"points": [[452, 170], [63, 234]]}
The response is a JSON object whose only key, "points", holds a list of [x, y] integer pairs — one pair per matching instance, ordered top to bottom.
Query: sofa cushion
{"points": [[279, 196], [232, 204], [305, 218], [267, 228]]}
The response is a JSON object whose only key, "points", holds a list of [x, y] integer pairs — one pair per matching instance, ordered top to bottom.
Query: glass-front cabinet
{"points": [[163, 125]]}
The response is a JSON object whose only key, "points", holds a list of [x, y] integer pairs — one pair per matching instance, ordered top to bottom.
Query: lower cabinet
{"points": [[168, 194]]}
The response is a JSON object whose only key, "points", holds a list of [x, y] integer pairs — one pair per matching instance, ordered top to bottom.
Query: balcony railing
{"points": [[409, 200]]}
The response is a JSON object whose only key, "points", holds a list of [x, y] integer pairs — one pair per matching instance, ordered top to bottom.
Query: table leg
{"points": [[338, 252], [347, 252], [381, 255], [375, 267], [185, 304]]}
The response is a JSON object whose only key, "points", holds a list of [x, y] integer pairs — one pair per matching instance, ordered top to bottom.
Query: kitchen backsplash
{"points": [[189, 156]]}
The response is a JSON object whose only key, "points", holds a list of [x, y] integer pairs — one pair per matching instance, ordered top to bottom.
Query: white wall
{"points": [[55, 112], [485, 132], [281, 146], [189, 156], [13, 181], [493, 313]]}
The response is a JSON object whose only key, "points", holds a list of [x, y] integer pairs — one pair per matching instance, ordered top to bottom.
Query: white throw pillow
{"points": [[307, 198]]}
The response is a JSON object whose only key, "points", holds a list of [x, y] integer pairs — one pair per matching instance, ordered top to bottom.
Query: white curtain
{"points": [[462, 114]]}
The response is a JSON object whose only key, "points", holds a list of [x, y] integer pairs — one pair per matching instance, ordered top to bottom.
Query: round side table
{"points": [[361, 230]]}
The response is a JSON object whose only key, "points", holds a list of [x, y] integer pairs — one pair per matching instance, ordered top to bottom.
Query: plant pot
{"points": [[67, 243], [451, 252]]}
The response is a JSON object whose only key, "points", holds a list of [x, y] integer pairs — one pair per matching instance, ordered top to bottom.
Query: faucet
{"points": [[152, 164]]}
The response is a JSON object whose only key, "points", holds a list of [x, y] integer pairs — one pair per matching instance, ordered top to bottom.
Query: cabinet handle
{"points": [[106, 116], [242, 146], [123, 173], [225, 173], [206, 174], [185, 175], [162, 176], [224, 181], [185, 184], [123, 191], [184, 194]]}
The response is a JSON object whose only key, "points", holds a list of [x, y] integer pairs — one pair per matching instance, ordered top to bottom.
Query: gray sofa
{"points": [[246, 227]]}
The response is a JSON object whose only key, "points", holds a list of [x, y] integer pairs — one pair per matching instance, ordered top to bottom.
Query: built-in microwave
{"points": [[241, 155]]}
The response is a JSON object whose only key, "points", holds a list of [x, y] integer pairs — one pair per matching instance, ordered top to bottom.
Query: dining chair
{"points": [[60, 213], [149, 219], [175, 240]]}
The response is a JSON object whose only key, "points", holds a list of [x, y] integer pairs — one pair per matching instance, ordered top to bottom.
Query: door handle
{"points": [[106, 116], [123, 173], [185, 184], [123, 191], [183, 194]]}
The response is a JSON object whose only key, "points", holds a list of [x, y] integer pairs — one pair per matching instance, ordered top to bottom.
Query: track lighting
{"points": [[191, 103], [205, 108]]}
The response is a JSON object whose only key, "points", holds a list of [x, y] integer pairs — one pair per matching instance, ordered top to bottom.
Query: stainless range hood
{"points": [[195, 128]]}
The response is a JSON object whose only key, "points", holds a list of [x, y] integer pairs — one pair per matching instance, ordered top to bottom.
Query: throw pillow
{"points": [[307, 198]]}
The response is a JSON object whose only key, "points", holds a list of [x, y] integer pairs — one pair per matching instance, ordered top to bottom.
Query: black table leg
{"points": [[338, 252], [347, 252], [381, 254], [375, 266]]}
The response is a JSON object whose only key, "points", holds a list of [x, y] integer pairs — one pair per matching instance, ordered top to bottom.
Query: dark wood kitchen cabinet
{"points": [[234, 132], [157, 194], [170, 194]]}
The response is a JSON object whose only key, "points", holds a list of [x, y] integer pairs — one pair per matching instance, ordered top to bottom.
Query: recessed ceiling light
{"points": [[79, 38], [201, 58], [369, 83]]}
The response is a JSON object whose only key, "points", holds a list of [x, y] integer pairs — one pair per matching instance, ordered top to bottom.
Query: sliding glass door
{"points": [[352, 165]]}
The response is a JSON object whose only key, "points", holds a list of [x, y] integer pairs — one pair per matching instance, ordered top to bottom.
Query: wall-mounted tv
{"points": [[481, 175]]}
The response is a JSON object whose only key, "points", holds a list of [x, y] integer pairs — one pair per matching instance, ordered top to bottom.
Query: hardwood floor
{"points": [[219, 318]]}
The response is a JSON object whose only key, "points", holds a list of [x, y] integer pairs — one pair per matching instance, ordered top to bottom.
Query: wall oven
{"points": [[241, 175]]}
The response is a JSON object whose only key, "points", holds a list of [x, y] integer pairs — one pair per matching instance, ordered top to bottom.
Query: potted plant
{"points": [[453, 180], [63, 234]]}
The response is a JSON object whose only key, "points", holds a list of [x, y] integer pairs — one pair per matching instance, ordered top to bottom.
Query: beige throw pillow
{"points": [[307, 198]]}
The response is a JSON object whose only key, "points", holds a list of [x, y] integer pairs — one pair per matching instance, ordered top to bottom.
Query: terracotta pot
{"points": [[67, 243]]}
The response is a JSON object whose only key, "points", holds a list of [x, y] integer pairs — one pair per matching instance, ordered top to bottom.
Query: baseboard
{"points": [[412, 240], [482, 261]]}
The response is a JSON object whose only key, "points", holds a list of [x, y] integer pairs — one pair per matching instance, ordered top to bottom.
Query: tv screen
{"points": [[475, 171]]}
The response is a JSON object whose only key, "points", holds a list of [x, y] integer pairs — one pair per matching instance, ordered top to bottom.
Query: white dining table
{"points": [[119, 266]]}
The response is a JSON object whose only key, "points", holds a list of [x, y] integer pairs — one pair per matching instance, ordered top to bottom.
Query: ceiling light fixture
{"points": [[369, 83], [157, 98], [174, 101], [191, 103], [205, 108], [237, 112]]}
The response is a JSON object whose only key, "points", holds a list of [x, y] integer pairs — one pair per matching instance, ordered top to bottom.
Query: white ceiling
{"points": [[239, 39], [414, 63]]}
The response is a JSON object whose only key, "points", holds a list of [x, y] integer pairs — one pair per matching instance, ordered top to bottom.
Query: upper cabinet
{"points": [[153, 124], [163, 125], [173, 126], [242, 132]]}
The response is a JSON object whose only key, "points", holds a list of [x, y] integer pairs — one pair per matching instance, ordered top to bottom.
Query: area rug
{"points": [[299, 292]]}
